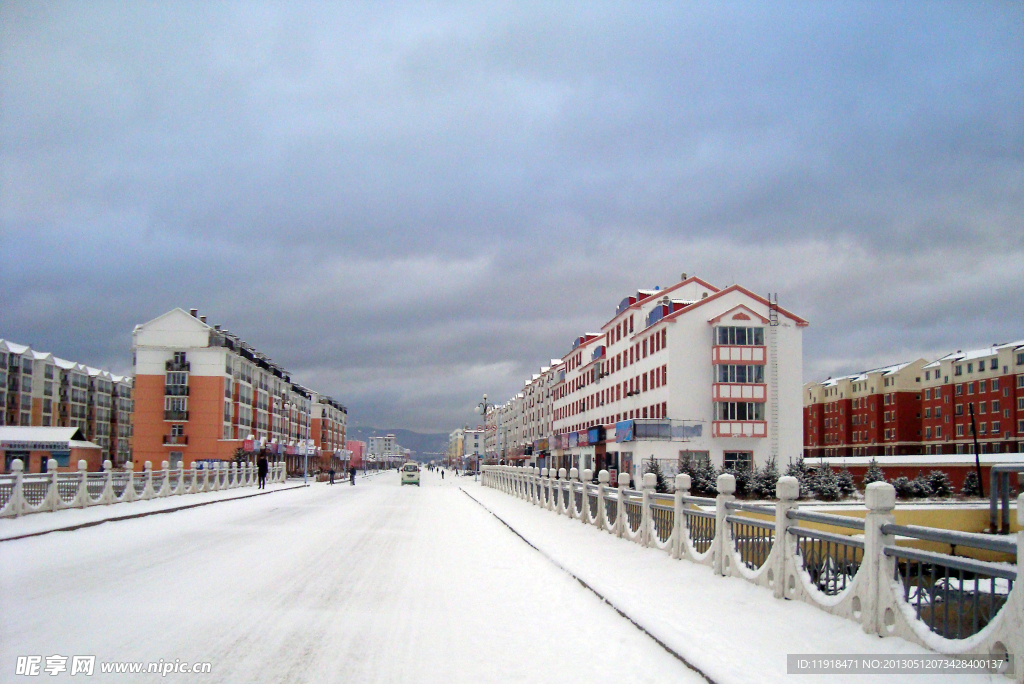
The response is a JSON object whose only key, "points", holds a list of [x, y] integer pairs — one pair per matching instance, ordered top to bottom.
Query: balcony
{"points": [[738, 354], [177, 366], [176, 390], [729, 391], [175, 415], [739, 428], [175, 440]]}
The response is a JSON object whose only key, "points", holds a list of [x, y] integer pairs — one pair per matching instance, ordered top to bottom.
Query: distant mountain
{"points": [[425, 445]]}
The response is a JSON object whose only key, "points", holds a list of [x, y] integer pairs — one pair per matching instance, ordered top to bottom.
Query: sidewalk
{"points": [[52, 521], [732, 630]]}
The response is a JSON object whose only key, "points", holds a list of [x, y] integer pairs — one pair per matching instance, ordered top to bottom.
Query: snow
{"points": [[36, 523], [328, 583], [731, 629]]}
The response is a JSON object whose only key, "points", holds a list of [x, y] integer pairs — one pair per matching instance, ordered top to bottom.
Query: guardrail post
{"points": [[588, 475], [649, 482], [108, 483], [602, 483], [129, 489], [180, 489], [726, 489], [787, 490], [18, 493], [52, 493], [542, 498], [880, 498], [620, 507], [560, 508], [678, 519]]}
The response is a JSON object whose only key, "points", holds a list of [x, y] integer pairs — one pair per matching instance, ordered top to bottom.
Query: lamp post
{"points": [[481, 408], [305, 446]]}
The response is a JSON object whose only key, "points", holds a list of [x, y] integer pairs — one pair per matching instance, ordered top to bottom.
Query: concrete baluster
{"points": [[588, 475], [181, 478], [574, 478], [650, 481], [108, 483], [602, 483], [165, 484], [726, 489], [129, 490], [787, 490], [147, 491], [18, 494], [82, 498], [880, 499], [52, 501], [561, 508], [620, 508], [678, 519]]}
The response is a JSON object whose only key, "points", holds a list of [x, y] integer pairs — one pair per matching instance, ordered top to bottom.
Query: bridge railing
{"points": [[22, 493], [860, 568]]}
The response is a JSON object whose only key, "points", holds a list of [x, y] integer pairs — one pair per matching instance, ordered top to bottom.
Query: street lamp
{"points": [[481, 408]]}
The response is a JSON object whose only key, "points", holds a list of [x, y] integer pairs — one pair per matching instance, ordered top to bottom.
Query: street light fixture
{"points": [[481, 408]]}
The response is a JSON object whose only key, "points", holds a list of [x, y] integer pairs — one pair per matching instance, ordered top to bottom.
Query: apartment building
{"points": [[681, 373], [982, 389], [42, 390], [204, 394], [921, 408], [873, 413]]}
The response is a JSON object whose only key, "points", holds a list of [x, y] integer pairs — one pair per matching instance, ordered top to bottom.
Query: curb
{"points": [[94, 523]]}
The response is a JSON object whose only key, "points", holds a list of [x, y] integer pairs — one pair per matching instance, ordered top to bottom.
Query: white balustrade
{"points": [[22, 494], [765, 544]]}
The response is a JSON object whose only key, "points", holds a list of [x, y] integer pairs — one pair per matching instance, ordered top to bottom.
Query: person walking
{"points": [[261, 469], [331, 473], [442, 474], [352, 475]]}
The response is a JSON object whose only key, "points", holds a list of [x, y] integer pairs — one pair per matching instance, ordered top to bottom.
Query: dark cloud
{"points": [[412, 204]]}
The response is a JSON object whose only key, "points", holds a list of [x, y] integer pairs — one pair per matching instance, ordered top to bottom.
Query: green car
{"points": [[411, 474]]}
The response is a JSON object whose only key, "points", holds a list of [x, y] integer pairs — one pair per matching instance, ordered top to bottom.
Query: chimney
{"points": [[683, 277], [194, 312], [202, 318]]}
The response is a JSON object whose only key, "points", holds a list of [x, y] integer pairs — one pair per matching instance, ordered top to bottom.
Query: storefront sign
{"points": [[624, 431], [574, 439], [583, 439]]}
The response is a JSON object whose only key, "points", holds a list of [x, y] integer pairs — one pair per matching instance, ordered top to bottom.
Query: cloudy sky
{"points": [[411, 204]]}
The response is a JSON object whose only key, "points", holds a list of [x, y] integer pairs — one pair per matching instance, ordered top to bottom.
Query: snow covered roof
{"points": [[14, 347], [975, 353], [17, 436]]}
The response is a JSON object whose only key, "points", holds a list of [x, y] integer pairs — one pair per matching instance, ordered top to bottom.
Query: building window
{"points": [[741, 337], [993, 365], [741, 374], [970, 388], [739, 410], [995, 427], [959, 430], [737, 460]]}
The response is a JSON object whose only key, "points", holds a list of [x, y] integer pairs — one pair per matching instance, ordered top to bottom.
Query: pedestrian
{"points": [[261, 469], [331, 473], [442, 474], [352, 475]]}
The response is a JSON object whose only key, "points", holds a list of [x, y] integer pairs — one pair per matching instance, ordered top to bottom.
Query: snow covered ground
{"points": [[373, 583], [730, 629]]}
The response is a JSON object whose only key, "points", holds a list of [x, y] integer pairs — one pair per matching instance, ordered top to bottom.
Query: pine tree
{"points": [[652, 466], [873, 474], [803, 475], [705, 481], [762, 484], [825, 484], [940, 484], [847, 486], [904, 487], [971, 487], [922, 489]]}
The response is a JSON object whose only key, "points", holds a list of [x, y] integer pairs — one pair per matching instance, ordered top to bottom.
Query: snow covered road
{"points": [[373, 583]]}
